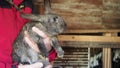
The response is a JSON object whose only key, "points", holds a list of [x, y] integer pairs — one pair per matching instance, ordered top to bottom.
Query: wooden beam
{"points": [[92, 31], [83, 38], [89, 44], [107, 52], [104, 58], [107, 58]]}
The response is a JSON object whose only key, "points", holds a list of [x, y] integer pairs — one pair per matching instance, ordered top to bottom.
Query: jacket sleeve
{"points": [[27, 9], [20, 22]]}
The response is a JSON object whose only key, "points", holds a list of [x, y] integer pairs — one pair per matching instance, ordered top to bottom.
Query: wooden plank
{"points": [[93, 31], [83, 38], [90, 44], [107, 53], [89, 54], [106, 57], [109, 58], [73, 61]]}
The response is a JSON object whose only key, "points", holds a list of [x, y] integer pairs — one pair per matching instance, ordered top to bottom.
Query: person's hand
{"points": [[46, 38], [30, 42], [34, 46], [35, 65]]}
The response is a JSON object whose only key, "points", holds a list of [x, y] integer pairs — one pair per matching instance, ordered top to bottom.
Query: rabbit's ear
{"points": [[47, 6], [33, 17]]}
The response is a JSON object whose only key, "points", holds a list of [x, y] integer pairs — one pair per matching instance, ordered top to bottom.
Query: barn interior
{"points": [[92, 36]]}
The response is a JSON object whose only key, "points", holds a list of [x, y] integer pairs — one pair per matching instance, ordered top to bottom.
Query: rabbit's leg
{"points": [[57, 47]]}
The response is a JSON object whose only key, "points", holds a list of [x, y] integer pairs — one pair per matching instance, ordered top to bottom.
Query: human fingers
{"points": [[30, 42], [37, 65], [48, 66]]}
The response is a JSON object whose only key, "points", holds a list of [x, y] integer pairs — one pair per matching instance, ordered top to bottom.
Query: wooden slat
{"points": [[92, 31], [82, 38], [90, 44], [76, 53], [107, 53], [89, 54], [76, 56], [106, 57], [79, 59], [73, 61]]}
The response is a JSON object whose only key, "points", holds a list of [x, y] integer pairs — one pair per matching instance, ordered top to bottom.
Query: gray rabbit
{"points": [[51, 24]]}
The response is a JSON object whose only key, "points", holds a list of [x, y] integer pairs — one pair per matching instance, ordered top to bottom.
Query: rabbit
{"points": [[50, 24]]}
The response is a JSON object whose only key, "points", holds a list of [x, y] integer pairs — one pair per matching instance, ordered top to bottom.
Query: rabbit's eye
{"points": [[55, 18]]}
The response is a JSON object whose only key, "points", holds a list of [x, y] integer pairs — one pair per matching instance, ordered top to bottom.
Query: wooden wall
{"points": [[88, 14]]}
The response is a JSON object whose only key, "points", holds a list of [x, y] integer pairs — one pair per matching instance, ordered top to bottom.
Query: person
{"points": [[10, 25]]}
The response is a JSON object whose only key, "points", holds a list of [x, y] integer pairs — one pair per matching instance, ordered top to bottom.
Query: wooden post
{"points": [[107, 53], [89, 57]]}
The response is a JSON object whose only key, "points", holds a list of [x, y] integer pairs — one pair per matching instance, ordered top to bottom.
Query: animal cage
{"points": [[97, 46], [74, 58]]}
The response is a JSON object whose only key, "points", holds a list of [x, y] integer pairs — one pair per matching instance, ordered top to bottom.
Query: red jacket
{"points": [[10, 25]]}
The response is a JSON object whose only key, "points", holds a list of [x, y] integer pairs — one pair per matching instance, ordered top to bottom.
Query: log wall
{"points": [[88, 14]]}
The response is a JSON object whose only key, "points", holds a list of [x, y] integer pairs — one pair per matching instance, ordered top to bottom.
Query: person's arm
{"points": [[26, 9]]}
